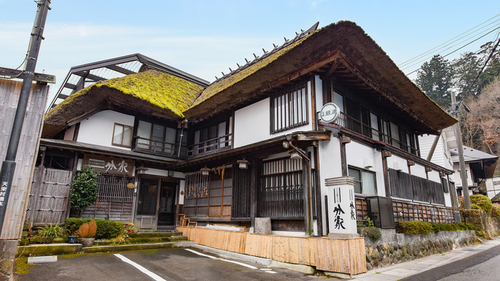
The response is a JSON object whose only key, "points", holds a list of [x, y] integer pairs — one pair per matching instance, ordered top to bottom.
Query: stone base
{"points": [[263, 225], [342, 235]]}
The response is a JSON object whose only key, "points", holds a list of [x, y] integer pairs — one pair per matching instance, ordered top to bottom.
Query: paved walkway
{"points": [[406, 269]]}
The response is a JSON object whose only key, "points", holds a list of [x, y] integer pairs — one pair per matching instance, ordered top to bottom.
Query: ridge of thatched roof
{"points": [[362, 59]]}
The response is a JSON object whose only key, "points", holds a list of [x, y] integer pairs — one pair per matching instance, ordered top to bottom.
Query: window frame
{"points": [[292, 101], [131, 128], [361, 171]]}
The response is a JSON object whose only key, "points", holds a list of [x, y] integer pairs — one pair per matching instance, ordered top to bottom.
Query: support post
{"points": [[460, 148]]}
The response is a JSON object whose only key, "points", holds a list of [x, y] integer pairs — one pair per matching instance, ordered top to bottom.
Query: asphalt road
{"points": [[159, 265], [481, 266]]}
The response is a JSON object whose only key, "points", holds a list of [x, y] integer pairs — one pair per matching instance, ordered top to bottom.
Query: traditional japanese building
{"points": [[313, 135]]}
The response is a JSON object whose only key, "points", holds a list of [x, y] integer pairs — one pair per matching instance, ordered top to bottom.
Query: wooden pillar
{"points": [[343, 155], [385, 155], [306, 168], [254, 181], [319, 213]]}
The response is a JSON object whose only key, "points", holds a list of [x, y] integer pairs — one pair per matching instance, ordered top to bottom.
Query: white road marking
{"points": [[216, 258], [141, 268], [271, 272]]}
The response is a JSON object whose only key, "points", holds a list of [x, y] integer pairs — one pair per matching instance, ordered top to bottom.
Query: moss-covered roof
{"points": [[243, 74], [160, 89], [157, 90]]}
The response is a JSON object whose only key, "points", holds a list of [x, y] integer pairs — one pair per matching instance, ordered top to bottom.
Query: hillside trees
{"points": [[481, 126]]}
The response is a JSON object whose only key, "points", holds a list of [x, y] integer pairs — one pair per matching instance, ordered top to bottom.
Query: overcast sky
{"points": [[206, 37]]}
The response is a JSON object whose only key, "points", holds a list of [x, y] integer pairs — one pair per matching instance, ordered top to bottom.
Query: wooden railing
{"points": [[366, 129], [210, 146], [162, 148]]}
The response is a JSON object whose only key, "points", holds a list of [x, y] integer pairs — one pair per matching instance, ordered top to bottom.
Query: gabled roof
{"points": [[342, 50], [81, 76], [151, 91], [481, 163]]}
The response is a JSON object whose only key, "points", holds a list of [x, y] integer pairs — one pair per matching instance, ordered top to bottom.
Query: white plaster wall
{"points": [[252, 123], [98, 129], [441, 154], [359, 155], [397, 163], [330, 167], [418, 170], [458, 179]]}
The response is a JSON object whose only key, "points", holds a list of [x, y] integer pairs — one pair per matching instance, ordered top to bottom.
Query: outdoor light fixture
{"points": [[285, 145], [295, 155], [243, 164], [205, 171]]}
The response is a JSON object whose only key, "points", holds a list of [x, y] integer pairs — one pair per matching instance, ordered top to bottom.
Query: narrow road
{"points": [[481, 266]]}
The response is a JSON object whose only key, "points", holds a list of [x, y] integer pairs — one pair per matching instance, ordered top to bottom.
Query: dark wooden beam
{"points": [[120, 69], [19, 74], [90, 76]]}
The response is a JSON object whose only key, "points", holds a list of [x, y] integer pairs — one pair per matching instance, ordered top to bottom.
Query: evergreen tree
{"points": [[435, 79]]}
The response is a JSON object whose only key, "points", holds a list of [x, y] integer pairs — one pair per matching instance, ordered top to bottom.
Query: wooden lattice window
{"points": [[289, 108]]}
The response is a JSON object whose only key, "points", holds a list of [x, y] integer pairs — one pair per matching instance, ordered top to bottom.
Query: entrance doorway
{"points": [[166, 210]]}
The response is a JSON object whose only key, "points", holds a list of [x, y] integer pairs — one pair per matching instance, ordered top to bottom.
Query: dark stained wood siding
{"points": [[404, 185], [241, 193]]}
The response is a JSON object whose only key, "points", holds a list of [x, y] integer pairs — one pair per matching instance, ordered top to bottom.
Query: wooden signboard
{"points": [[109, 165]]}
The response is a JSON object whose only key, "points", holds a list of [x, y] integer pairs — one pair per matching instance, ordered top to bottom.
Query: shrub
{"points": [[84, 190], [478, 202], [495, 211], [415, 227], [420, 227], [106, 229], [51, 230], [371, 232]]}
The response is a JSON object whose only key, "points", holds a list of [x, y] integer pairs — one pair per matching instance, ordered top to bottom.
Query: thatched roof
{"points": [[340, 50], [353, 57], [154, 92]]}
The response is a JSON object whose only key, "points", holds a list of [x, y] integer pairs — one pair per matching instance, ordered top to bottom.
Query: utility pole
{"points": [[460, 148], [9, 165]]}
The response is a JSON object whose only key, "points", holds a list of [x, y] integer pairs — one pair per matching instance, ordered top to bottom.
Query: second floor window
{"points": [[289, 108], [122, 135], [156, 138], [364, 181]]}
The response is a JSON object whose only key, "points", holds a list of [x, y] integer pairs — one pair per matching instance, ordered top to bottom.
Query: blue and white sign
{"points": [[329, 113]]}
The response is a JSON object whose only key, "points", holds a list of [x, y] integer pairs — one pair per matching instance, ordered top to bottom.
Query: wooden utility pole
{"points": [[460, 148]]}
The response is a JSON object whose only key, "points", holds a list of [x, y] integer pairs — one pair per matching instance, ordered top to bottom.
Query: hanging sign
{"points": [[329, 113], [109, 165]]}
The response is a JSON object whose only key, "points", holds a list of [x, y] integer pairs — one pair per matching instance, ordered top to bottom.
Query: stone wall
{"points": [[486, 226], [397, 247]]}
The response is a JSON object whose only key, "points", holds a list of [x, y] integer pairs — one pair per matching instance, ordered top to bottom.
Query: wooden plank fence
{"points": [[27, 149], [49, 196], [335, 255]]}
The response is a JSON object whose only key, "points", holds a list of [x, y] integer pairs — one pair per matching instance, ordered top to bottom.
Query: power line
{"points": [[449, 41], [463, 46], [444, 48]]}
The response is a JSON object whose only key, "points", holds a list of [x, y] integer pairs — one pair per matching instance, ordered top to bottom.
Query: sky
{"points": [[205, 38]]}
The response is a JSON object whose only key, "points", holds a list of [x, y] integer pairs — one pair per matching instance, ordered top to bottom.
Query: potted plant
{"points": [[86, 232]]}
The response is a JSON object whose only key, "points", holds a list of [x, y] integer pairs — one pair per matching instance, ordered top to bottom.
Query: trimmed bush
{"points": [[478, 202], [495, 211], [415, 227], [420, 227], [106, 229]]}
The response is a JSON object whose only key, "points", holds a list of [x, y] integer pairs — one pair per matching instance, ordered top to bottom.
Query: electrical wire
{"points": [[449, 41]]}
